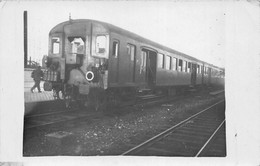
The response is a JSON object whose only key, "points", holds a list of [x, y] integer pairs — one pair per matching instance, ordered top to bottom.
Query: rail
{"points": [[169, 130]]}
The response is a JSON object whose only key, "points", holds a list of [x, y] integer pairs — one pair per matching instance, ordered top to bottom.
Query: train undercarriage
{"points": [[99, 99]]}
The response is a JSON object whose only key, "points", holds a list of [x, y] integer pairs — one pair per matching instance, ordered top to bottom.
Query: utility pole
{"points": [[25, 38]]}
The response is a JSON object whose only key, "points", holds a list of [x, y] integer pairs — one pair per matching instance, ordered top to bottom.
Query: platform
{"points": [[34, 97]]}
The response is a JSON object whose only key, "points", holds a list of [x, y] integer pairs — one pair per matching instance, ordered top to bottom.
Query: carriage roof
{"points": [[113, 28]]}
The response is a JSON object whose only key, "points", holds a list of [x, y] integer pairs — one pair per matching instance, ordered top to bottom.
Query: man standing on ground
{"points": [[37, 74]]}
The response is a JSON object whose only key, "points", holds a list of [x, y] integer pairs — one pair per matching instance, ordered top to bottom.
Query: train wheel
{"points": [[171, 92], [55, 94], [60, 95], [67, 96], [97, 99], [113, 100], [67, 101], [82, 103]]}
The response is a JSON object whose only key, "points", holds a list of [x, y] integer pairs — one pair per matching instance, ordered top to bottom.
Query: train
{"points": [[96, 63]]}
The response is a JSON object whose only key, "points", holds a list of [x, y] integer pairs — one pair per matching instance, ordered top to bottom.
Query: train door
{"points": [[131, 52], [114, 62], [150, 71], [203, 73], [193, 74], [209, 75]]}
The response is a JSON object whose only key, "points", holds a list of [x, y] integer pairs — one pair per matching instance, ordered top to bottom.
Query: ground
{"points": [[110, 134]]}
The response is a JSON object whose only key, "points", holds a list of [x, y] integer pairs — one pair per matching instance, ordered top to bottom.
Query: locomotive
{"points": [[97, 63]]}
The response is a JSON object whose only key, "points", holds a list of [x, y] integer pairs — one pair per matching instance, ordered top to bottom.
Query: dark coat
{"points": [[37, 74]]}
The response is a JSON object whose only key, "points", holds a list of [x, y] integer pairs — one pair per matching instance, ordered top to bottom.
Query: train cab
{"points": [[78, 54]]}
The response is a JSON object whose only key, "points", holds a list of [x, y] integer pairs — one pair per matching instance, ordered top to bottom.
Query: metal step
{"points": [[142, 92], [148, 96]]}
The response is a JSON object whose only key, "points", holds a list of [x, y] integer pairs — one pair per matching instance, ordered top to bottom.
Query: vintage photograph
{"points": [[121, 78], [129, 82]]}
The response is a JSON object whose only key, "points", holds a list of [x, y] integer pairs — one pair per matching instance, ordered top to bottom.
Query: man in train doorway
{"points": [[37, 75]]}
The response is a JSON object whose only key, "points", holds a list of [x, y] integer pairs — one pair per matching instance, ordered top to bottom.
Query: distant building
{"points": [[32, 64]]}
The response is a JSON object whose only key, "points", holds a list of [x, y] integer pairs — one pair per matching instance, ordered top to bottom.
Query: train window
{"points": [[101, 43], [55, 45], [76, 45], [115, 48], [128, 49], [131, 51], [143, 61], [160, 61], [168, 62], [174, 63], [180, 65], [184, 66], [189, 66], [198, 69], [205, 70]]}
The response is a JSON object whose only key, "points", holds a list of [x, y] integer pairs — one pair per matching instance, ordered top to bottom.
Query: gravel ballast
{"points": [[110, 134]]}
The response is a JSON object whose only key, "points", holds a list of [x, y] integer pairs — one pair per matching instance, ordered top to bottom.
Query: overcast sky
{"points": [[194, 28]]}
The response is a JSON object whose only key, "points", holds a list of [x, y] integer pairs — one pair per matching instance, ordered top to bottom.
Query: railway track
{"points": [[61, 116], [41, 120], [202, 134], [217, 147]]}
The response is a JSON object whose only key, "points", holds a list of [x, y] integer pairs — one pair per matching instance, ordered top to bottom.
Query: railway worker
{"points": [[37, 75]]}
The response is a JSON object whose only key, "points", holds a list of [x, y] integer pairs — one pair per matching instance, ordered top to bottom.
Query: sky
{"points": [[194, 28]]}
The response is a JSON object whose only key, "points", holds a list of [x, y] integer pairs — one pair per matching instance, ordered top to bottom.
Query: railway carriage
{"points": [[96, 62]]}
